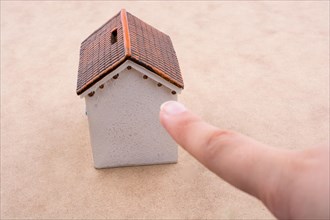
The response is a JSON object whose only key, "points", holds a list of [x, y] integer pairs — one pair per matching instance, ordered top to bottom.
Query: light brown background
{"points": [[261, 68]]}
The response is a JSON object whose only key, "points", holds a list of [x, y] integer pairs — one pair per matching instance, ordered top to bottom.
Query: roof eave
{"points": [[130, 63], [158, 72], [101, 75]]}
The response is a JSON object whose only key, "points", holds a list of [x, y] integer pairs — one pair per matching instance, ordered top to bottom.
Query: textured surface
{"points": [[153, 49], [98, 52], [261, 68], [124, 125]]}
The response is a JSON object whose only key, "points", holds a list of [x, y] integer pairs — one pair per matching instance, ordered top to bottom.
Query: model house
{"points": [[127, 69]]}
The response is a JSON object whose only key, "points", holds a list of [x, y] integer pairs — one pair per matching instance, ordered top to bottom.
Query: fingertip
{"points": [[172, 108], [168, 112], [162, 118]]}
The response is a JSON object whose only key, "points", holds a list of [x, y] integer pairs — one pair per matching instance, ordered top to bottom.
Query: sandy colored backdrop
{"points": [[261, 68]]}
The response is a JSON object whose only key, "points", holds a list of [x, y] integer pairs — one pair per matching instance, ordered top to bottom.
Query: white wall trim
{"points": [[137, 67]]}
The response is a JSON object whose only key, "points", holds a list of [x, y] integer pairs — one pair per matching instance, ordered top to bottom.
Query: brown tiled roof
{"points": [[126, 37]]}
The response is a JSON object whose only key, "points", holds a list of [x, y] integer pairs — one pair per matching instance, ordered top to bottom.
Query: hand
{"points": [[292, 184]]}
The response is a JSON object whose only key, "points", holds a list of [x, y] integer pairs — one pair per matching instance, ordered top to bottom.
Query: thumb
{"points": [[243, 162]]}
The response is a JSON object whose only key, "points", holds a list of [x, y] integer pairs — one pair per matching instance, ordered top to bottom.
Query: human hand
{"points": [[292, 184]]}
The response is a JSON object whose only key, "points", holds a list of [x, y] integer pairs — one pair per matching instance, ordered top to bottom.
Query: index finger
{"points": [[245, 163]]}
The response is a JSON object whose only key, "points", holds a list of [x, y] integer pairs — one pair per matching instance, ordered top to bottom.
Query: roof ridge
{"points": [[127, 41]]}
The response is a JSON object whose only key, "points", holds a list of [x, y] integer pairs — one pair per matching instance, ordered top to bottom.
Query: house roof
{"points": [[126, 37]]}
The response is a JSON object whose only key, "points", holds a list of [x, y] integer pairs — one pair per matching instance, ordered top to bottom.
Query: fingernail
{"points": [[172, 108]]}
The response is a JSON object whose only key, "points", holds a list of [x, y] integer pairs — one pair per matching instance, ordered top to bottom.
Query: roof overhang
{"points": [[137, 67]]}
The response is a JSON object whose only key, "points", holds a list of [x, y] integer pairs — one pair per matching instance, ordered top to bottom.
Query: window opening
{"points": [[114, 36]]}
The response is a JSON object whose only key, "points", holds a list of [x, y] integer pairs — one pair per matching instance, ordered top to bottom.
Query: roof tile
{"points": [[135, 40]]}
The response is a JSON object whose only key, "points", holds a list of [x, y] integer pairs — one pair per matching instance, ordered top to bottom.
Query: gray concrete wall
{"points": [[124, 124]]}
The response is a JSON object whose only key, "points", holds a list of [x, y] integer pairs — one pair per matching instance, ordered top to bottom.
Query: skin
{"points": [[293, 184]]}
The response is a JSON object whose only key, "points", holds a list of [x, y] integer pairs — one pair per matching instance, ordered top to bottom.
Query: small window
{"points": [[114, 36]]}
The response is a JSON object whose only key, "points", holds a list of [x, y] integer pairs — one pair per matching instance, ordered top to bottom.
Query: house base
{"points": [[134, 165]]}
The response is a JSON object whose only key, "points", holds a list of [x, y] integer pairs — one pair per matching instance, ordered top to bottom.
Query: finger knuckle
{"points": [[216, 143]]}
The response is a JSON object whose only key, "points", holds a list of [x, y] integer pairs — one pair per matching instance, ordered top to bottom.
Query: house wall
{"points": [[124, 122]]}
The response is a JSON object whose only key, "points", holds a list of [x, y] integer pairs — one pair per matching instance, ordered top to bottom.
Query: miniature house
{"points": [[127, 69]]}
